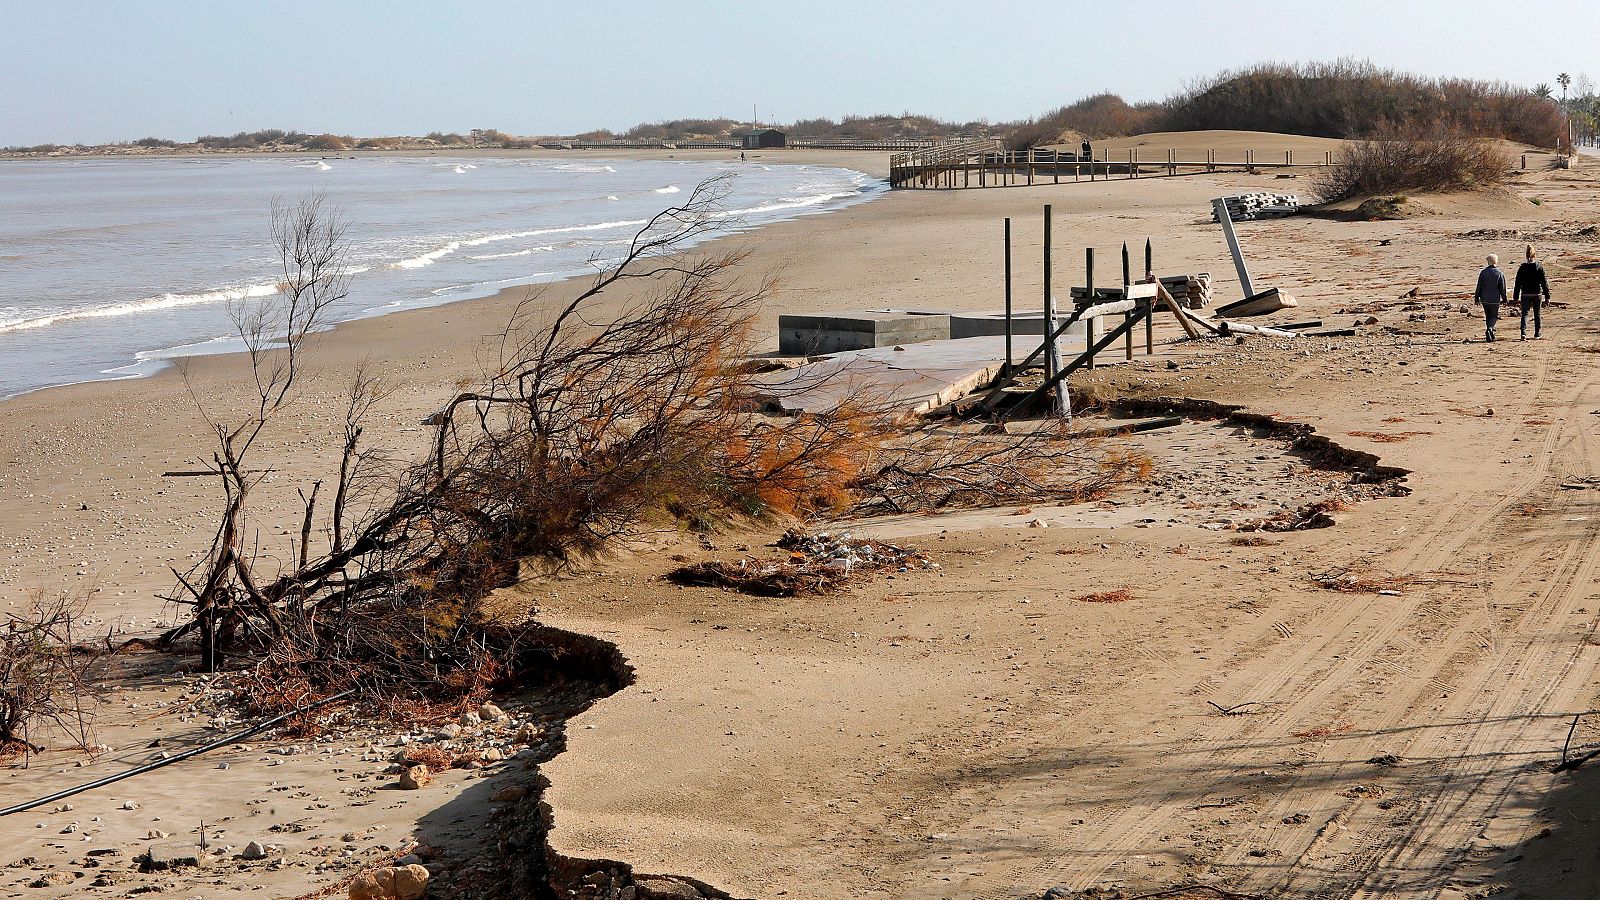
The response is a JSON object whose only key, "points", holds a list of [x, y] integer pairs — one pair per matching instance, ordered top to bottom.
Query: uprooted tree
{"points": [[602, 418]]}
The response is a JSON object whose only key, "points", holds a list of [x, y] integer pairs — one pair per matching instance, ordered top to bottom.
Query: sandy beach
{"points": [[975, 730]]}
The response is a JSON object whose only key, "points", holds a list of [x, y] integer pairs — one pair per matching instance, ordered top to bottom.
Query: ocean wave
{"points": [[318, 165], [581, 167], [669, 189], [783, 203], [527, 252], [432, 256], [429, 258], [148, 304]]}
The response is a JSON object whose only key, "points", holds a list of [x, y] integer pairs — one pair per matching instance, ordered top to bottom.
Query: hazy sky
{"points": [[81, 71]]}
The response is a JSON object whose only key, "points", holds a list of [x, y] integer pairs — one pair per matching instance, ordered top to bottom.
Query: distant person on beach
{"points": [[1532, 291], [1490, 293]]}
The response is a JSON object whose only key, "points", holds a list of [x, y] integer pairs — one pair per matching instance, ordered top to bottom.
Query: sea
{"points": [[109, 268]]}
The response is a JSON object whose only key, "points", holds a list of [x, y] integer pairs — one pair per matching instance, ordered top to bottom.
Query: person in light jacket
{"points": [[1532, 291], [1490, 293]]}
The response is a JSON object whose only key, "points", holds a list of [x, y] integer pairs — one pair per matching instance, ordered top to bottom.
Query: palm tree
{"points": [[1564, 80], [1542, 90]]}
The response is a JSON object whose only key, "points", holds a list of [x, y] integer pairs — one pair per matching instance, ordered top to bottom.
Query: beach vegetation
{"points": [[1348, 99], [328, 142], [1419, 161], [48, 677]]}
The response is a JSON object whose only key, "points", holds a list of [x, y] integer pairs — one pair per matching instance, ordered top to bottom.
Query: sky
{"points": [[95, 71]]}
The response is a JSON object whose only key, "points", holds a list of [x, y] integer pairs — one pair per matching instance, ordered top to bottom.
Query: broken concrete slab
{"points": [[984, 324], [835, 332], [909, 378]]}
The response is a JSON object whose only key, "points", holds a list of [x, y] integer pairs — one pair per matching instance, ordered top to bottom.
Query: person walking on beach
{"points": [[1491, 291], [1532, 291]]}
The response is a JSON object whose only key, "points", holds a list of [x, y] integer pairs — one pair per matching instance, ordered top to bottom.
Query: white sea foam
{"points": [[582, 167], [669, 189], [784, 203], [527, 252], [432, 256], [148, 304]]}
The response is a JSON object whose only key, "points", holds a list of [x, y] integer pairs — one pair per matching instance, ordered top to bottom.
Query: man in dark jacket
{"points": [[1491, 291], [1532, 291]]}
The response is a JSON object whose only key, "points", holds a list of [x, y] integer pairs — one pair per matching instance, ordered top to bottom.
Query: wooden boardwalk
{"points": [[981, 164]]}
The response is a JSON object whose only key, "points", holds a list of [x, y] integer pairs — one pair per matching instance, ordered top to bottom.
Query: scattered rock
{"points": [[488, 712], [1384, 759], [414, 778], [509, 794], [253, 850], [163, 857], [52, 879], [391, 883], [655, 887]]}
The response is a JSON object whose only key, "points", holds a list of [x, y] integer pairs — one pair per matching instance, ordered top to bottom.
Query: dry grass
{"points": [[1418, 160], [1384, 437], [1253, 541], [1347, 582], [1121, 595], [437, 759]]}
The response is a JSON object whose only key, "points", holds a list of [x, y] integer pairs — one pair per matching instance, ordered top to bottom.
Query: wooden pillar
{"points": [[1132, 155], [1088, 281], [1127, 281], [1008, 293], [1053, 351]]}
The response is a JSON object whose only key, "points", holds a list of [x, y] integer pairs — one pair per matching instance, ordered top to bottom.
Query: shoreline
{"points": [[154, 360]]}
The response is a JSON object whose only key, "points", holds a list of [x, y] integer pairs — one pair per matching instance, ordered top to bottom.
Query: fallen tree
{"points": [[594, 424]]}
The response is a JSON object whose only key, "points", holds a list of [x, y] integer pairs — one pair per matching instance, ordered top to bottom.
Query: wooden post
{"points": [[1132, 155], [1288, 157], [1327, 157], [1055, 166], [1172, 166], [1088, 280], [1127, 281], [1008, 293], [1150, 314], [1053, 352]]}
